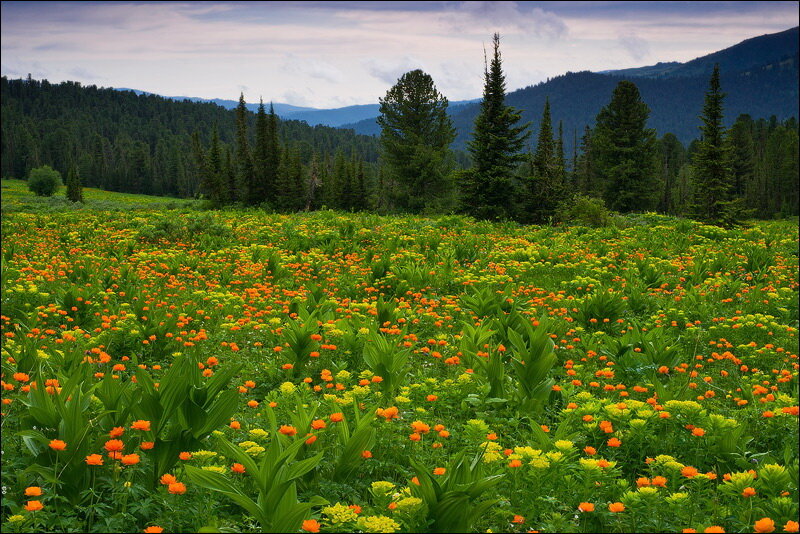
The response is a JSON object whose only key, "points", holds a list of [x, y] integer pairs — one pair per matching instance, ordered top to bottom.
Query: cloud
{"points": [[507, 17], [637, 47], [320, 69], [390, 71]]}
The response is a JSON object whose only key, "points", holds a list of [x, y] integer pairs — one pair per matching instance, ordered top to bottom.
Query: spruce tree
{"points": [[416, 133], [495, 147], [624, 151], [273, 157], [711, 163], [244, 182], [214, 185], [261, 186], [544, 186], [74, 188]]}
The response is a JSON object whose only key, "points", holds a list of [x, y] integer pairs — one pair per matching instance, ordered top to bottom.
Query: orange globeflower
{"points": [[337, 417], [318, 424], [141, 425], [236, 425], [420, 427], [287, 430], [116, 432], [699, 432], [311, 439], [614, 442], [57, 445], [114, 445], [147, 445], [591, 451], [366, 454], [185, 456], [94, 459], [130, 459], [514, 463], [238, 468], [439, 471], [689, 471], [168, 479], [659, 481], [177, 488], [33, 491], [748, 492], [33, 506], [586, 507], [616, 507], [518, 519], [764, 524], [310, 525], [791, 526], [714, 528], [153, 530]]}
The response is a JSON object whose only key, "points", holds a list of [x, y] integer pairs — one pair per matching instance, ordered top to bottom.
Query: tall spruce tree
{"points": [[416, 133], [495, 147], [624, 151], [273, 156], [711, 163], [244, 182], [214, 185], [261, 186], [544, 186]]}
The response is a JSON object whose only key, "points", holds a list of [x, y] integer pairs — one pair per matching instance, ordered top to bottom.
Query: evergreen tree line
{"points": [[120, 141]]}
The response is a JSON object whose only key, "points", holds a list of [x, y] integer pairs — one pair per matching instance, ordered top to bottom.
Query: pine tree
{"points": [[416, 133], [495, 147], [624, 151], [273, 157], [544, 161], [561, 162], [711, 163], [244, 182], [314, 184], [214, 185], [545, 185], [261, 188], [74, 189]]}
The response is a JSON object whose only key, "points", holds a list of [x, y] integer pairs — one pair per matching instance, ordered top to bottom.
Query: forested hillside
{"points": [[147, 144]]}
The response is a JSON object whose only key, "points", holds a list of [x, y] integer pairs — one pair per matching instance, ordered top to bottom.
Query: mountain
{"points": [[749, 54], [759, 77], [284, 110]]}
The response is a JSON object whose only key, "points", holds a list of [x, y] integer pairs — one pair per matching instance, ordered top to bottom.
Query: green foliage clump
{"points": [[44, 181], [584, 211]]}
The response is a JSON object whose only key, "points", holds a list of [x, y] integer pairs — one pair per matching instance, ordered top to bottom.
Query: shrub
{"points": [[44, 181], [584, 211]]}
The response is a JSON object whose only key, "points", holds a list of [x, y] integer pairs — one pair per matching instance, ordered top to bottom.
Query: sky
{"points": [[334, 54]]}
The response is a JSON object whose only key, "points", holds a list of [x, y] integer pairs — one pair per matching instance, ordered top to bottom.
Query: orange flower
{"points": [[21, 377], [431, 398], [252, 403], [337, 417], [317, 424], [236, 425], [144, 426], [420, 427], [287, 430], [116, 432], [699, 432], [491, 436], [414, 437], [311, 439], [614, 442], [57, 445], [114, 445], [147, 445], [591, 451], [366, 454], [185, 456], [94, 459], [130, 459], [514, 463], [238, 468], [439, 471], [689, 471], [167, 479], [415, 481], [659, 481], [642, 482], [177, 488], [33, 491], [748, 492], [33, 506], [586, 507], [616, 507], [518, 519], [764, 524], [310, 525], [791, 526], [714, 528], [153, 530]]}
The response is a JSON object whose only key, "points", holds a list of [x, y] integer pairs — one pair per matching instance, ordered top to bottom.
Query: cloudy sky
{"points": [[332, 54]]}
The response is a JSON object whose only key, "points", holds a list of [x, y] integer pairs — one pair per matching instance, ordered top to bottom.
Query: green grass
{"points": [[17, 198]]}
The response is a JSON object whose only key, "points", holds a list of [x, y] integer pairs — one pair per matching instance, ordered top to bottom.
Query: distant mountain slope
{"points": [[750, 53], [284, 110]]}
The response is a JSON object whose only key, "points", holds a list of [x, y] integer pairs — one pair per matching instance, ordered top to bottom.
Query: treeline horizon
{"points": [[147, 144]]}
